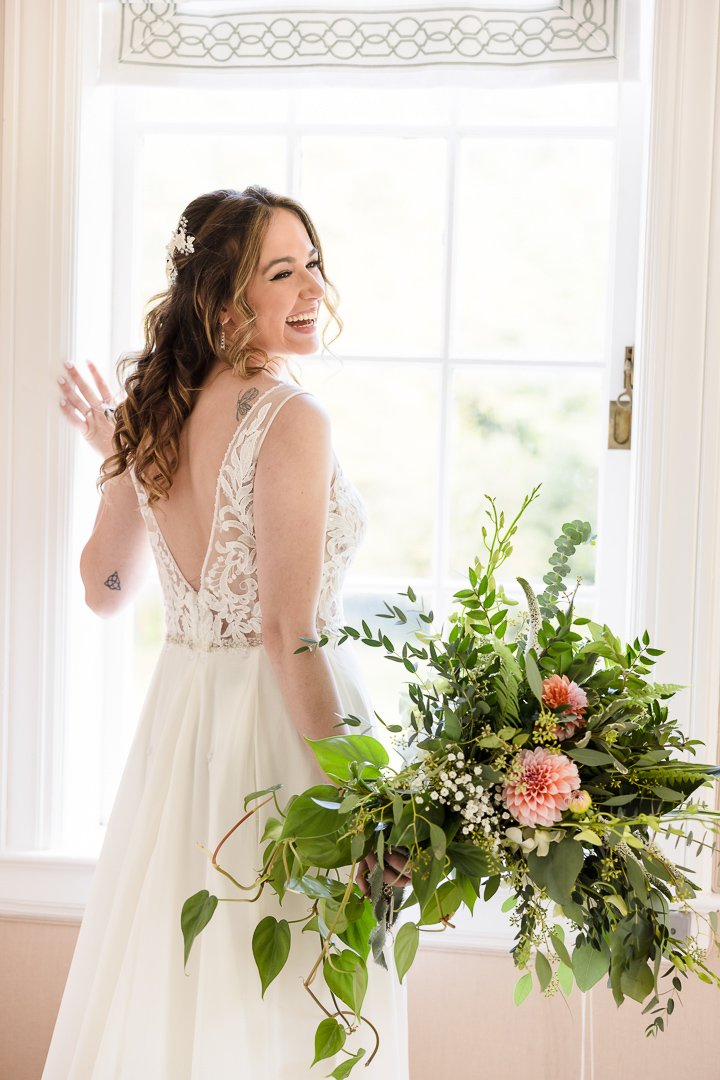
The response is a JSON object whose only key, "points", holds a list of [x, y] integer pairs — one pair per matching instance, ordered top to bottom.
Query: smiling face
{"points": [[286, 282]]}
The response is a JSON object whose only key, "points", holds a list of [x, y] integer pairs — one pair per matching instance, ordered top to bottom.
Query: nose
{"points": [[316, 289]]}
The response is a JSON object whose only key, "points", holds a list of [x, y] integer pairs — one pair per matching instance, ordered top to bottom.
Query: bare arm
{"points": [[291, 499], [114, 562]]}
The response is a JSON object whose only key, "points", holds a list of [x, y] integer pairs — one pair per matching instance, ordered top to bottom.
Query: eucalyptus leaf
{"points": [[589, 965], [543, 970], [522, 988]]}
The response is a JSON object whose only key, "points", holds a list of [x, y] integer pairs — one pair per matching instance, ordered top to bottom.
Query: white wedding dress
{"points": [[214, 728]]}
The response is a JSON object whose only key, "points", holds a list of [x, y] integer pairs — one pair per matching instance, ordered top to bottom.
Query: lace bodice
{"points": [[225, 611]]}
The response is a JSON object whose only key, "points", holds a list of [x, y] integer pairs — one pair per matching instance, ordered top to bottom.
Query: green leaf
{"points": [[534, 679], [336, 753], [591, 757], [257, 794], [667, 795], [306, 817], [272, 830], [438, 841], [357, 846], [327, 852], [469, 859], [558, 870], [427, 873], [637, 879], [314, 887], [443, 903], [197, 911], [356, 934], [406, 945], [271, 947], [560, 948], [589, 965], [543, 970], [346, 975], [565, 979], [637, 980], [523, 988], [329, 1039], [344, 1069]]}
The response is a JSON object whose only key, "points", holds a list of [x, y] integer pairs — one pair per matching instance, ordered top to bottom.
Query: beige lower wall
{"points": [[463, 1022]]}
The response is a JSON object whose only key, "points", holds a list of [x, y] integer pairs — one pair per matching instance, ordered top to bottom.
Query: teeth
{"points": [[300, 318]]}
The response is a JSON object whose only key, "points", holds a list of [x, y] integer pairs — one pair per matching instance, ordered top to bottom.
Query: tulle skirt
{"points": [[213, 728]]}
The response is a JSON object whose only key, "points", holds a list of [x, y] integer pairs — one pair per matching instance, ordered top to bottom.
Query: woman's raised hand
{"points": [[87, 409], [393, 873]]}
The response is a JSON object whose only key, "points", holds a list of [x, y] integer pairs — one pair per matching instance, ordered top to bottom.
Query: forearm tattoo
{"points": [[245, 402], [113, 582]]}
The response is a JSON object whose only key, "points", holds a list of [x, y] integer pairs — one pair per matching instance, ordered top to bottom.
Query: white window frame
{"points": [[678, 330]]}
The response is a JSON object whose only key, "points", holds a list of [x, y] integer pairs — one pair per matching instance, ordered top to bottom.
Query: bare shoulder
{"points": [[302, 416], [299, 439]]}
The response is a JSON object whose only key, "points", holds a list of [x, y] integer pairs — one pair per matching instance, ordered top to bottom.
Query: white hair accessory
{"points": [[180, 243]]}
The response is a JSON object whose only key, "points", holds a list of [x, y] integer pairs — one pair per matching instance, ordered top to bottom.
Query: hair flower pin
{"points": [[181, 244]]}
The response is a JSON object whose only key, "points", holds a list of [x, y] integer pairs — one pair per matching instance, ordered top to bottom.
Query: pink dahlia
{"points": [[558, 693], [543, 788]]}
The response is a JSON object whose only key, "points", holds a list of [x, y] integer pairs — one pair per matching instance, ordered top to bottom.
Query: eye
{"points": [[281, 275]]}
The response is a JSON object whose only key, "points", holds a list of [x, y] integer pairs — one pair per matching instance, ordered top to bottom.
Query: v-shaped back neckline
{"points": [[226, 455]]}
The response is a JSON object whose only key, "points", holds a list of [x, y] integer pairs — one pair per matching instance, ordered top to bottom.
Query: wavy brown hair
{"points": [[182, 330]]}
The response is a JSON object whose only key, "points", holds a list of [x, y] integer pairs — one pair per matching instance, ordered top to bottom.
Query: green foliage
{"points": [[478, 698], [197, 911], [271, 947], [346, 975], [329, 1039]]}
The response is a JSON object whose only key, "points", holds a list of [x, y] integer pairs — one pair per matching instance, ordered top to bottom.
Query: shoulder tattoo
{"points": [[245, 402]]}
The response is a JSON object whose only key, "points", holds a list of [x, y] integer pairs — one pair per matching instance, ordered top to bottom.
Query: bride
{"points": [[226, 465]]}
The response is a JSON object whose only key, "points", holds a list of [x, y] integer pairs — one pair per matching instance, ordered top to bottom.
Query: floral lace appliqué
{"points": [[225, 611]]}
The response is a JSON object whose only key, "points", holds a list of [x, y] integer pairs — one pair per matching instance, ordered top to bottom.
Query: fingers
{"points": [[85, 389], [105, 391], [72, 400], [70, 414], [394, 867], [360, 877]]}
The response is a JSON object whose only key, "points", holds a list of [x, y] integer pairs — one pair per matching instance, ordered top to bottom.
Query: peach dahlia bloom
{"points": [[557, 692], [542, 791]]}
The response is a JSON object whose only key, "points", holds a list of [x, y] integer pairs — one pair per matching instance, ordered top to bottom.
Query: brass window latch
{"points": [[621, 410]]}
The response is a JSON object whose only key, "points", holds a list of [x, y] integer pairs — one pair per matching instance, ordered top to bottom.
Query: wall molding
{"points": [[676, 475]]}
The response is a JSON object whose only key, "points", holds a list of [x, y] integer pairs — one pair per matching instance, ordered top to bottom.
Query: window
{"points": [[474, 236]]}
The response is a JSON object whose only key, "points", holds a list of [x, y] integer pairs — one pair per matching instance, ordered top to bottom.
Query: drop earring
{"points": [[222, 337]]}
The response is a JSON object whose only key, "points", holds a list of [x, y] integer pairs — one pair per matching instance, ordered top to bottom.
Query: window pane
{"points": [[583, 104], [176, 105], [409, 106], [208, 162], [379, 205], [532, 246], [512, 430], [385, 433]]}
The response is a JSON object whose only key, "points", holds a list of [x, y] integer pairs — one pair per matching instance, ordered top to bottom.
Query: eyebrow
{"points": [[286, 258]]}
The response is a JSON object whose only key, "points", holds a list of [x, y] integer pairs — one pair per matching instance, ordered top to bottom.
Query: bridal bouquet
{"points": [[538, 756]]}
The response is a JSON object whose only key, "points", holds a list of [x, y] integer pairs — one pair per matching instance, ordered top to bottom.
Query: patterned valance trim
{"points": [[172, 35]]}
